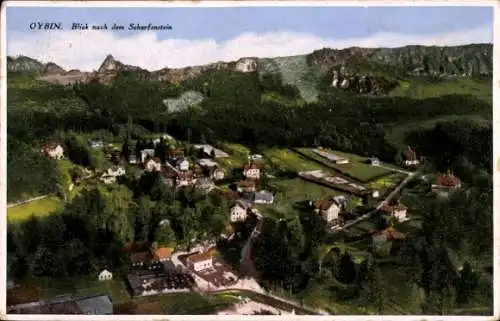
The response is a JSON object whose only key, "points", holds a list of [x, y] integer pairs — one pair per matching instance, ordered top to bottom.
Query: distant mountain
{"points": [[364, 70]]}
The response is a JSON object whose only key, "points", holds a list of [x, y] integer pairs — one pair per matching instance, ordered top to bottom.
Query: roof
{"points": [[177, 151], [410, 154], [206, 162], [251, 165], [185, 175], [448, 180], [246, 184], [264, 195], [243, 204], [324, 204], [392, 234], [133, 247], [162, 252], [139, 256], [203, 256], [97, 304]]}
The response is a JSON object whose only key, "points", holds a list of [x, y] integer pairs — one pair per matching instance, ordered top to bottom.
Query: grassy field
{"points": [[460, 86], [238, 156], [288, 160], [356, 168], [290, 192], [41, 207]]}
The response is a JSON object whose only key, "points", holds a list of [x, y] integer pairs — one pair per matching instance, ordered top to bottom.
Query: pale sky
{"points": [[204, 35]]}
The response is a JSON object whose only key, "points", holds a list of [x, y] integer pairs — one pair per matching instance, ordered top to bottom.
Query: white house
{"points": [[96, 143], [54, 151], [147, 153], [410, 157], [132, 159], [374, 161], [182, 164], [153, 165], [116, 171], [252, 171], [218, 174], [108, 179], [263, 197], [329, 209], [239, 211], [399, 212], [200, 261], [105, 275]]}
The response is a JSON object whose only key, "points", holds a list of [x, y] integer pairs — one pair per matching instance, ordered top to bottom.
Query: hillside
{"points": [[361, 70]]}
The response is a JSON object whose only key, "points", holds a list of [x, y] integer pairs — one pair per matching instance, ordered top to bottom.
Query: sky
{"points": [[204, 35]]}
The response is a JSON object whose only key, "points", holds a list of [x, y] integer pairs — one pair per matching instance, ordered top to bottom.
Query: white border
{"points": [[354, 3]]}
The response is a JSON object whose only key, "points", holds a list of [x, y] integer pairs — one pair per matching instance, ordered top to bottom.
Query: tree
{"points": [[164, 235], [347, 269], [466, 285]]}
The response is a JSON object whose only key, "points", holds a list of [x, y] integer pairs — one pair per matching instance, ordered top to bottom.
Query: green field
{"points": [[458, 86], [238, 156], [288, 160], [356, 168], [290, 192], [40, 207]]}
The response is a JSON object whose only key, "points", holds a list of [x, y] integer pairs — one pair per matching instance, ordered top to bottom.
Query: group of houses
{"points": [[100, 304]]}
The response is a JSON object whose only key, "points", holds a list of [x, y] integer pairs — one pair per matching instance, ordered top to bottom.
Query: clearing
{"points": [[356, 168], [40, 207]]}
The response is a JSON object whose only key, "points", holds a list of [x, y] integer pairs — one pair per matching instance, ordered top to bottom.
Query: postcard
{"points": [[194, 160]]}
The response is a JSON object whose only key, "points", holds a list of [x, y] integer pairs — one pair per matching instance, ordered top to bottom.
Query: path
{"points": [[172, 167], [28, 201], [379, 206]]}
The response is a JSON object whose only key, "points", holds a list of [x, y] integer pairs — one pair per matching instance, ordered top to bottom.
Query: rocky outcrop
{"points": [[457, 61], [23, 64], [51, 69], [365, 70], [364, 84]]}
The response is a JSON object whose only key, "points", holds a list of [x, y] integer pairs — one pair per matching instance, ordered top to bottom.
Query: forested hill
{"points": [[364, 70]]}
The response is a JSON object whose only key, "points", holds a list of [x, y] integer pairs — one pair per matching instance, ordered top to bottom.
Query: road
{"points": [[28, 201], [379, 206]]}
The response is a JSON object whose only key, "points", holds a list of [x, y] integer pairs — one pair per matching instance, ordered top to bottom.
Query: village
{"points": [[250, 180]]}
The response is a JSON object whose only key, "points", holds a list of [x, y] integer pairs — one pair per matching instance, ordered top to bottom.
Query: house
{"points": [[96, 144], [55, 151], [210, 151], [176, 153], [147, 154], [256, 157], [410, 157], [132, 159], [374, 161], [207, 163], [182, 164], [153, 165], [116, 171], [252, 171], [218, 174], [108, 179], [185, 179], [446, 183], [245, 186], [263, 197], [329, 209], [239, 211], [398, 212], [389, 234], [160, 255], [140, 258], [200, 261], [105, 275], [66, 304], [100, 304]]}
